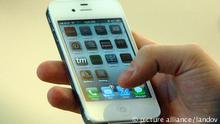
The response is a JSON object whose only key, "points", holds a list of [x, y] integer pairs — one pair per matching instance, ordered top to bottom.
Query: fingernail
{"points": [[127, 74]]}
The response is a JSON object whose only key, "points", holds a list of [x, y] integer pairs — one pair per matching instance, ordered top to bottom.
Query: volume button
{"points": [[53, 30], [54, 34], [55, 37], [57, 40]]}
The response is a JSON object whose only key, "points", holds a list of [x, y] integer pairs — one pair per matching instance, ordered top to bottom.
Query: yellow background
{"points": [[26, 41]]}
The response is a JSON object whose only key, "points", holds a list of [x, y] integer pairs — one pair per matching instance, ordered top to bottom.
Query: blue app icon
{"points": [[107, 91], [123, 91]]}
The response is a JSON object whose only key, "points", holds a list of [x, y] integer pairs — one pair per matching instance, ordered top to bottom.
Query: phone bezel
{"points": [[61, 11]]}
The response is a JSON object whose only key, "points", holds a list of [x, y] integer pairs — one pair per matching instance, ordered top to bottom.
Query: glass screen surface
{"points": [[100, 50]]}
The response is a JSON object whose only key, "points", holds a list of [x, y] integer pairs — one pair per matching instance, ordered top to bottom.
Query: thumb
{"points": [[168, 59]]}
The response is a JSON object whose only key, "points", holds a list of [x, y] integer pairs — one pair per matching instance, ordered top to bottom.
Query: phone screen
{"points": [[101, 50]]}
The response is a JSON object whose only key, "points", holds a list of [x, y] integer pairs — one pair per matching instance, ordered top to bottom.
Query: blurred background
{"points": [[26, 41]]}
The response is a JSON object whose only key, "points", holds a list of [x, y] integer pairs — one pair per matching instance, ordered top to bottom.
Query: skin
{"points": [[185, 78]]}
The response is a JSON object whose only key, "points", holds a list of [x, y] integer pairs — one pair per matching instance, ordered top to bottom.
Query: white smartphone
{"points": [[96, 45]]}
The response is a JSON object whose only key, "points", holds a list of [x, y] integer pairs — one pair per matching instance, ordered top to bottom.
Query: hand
{"points": [[186, 80]]}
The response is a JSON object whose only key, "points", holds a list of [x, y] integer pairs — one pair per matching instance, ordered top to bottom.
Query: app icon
{"points": [[115, 29], [85, 30], [100, 30], [70, 31], [120, 43], [106, 44], [90, 45], [76, 46], [126, 57], [111, 58], [96, 59], [81, 61], [101, 74], [86, 75], [107, 91], [123, 91], [139, 91], [93, 93]]}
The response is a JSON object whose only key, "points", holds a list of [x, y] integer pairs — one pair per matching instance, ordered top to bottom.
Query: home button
{"points": [[122, 109], [117, 111]]}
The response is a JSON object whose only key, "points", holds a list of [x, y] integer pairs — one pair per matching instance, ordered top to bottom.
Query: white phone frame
{"points": [[100, 111]]}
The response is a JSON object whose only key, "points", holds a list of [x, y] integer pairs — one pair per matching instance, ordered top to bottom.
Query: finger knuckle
{"points": [[195, 48], [147, 51], [195, 51]]}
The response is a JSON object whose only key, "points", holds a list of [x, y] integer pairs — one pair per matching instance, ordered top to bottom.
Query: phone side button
{"points": [[55, 36], [56, 40]]}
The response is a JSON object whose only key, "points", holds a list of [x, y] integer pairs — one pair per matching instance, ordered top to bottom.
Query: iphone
{"points": [[95, 43]]}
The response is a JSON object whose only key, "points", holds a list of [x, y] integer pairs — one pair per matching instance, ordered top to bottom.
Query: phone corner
{"points": [[158, 112]]}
